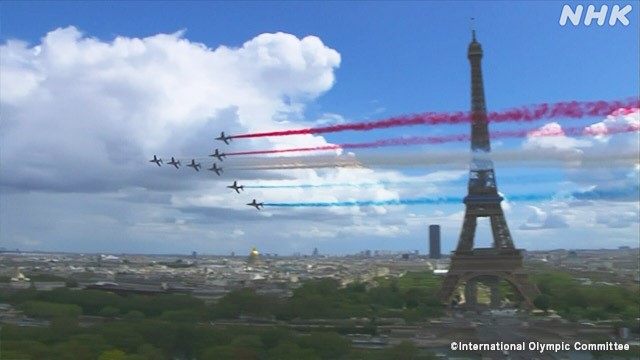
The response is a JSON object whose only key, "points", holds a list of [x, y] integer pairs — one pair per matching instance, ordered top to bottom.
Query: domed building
{"points": [[254, 257]]}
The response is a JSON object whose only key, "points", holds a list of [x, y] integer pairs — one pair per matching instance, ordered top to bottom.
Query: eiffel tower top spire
{"points": [[474, 46], [479, 123], [481, 174]]}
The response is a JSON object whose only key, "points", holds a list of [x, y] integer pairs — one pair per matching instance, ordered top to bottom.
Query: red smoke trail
{"points": [[570, 109], [577, 131]]}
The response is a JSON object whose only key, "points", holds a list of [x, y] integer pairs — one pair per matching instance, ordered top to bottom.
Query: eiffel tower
{"points": [[502, 261]]}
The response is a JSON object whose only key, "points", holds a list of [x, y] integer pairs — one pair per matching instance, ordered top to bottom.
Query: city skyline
{"points": [[89, 96]]}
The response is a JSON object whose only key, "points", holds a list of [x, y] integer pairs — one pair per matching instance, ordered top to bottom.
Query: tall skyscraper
{"points": [[434, 241]]}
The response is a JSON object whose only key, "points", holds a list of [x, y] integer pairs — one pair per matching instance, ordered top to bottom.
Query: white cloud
{"points": [[95, 110], [83, 115], [327, 119], [551, 136], [615, 179], [611, 183], [606, 196], [540, 219], [621, 219], [237, 233]]}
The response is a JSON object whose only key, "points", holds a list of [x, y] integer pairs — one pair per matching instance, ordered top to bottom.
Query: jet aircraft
{"points": [[226, 139], [218, 155], [156, 160], [174, 163], [194, 165], [216, 169], [236, 187], [257, 205]]}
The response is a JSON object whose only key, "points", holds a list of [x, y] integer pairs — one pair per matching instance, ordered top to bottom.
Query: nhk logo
{"points": [[617, 14]]}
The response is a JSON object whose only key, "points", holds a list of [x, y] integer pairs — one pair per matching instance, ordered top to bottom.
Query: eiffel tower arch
{"points": [[501, 261]]}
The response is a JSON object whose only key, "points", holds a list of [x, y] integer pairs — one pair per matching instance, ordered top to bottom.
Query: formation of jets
{"points": [[218, 170]]}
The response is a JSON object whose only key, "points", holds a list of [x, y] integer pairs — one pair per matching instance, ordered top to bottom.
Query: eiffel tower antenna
{"points": [[472, 27]]}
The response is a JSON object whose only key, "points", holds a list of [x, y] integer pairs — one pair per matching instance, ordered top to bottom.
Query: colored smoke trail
{"points": [[570, 109], [576, 131], [413, 158], [453, 160], [458, 177], [349, 184], [416, 201]]}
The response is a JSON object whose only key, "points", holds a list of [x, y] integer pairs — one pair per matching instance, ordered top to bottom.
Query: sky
{"points": [[91, 91]]}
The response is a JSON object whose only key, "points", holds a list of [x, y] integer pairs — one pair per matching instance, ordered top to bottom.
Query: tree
{"points": [[71, 283], [542, 302], [50, 310], [109, 312], [134, 315], [274, 337], [329, 345], [406, 350], [291, 351], [150, 352], [218, 353], [114, 354]]}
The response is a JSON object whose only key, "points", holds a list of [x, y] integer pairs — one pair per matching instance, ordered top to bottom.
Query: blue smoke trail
{"points": [[305, 186], [627, 194], [416, 201], [369, 202]]}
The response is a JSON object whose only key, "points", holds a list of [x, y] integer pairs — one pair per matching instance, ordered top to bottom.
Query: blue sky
{"points": [[394, 58]]}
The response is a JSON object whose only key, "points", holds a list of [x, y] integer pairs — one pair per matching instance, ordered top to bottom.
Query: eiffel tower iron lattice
{"points": [[502, 261]]}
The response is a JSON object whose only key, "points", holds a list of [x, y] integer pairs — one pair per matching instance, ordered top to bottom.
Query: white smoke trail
{"points": [[457, 160]]}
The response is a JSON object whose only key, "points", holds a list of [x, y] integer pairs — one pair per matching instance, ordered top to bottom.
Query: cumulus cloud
{"points": [[83, 115], [551, 136], [616, 183], [601, 197], [540, 219], [621, 219]]}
